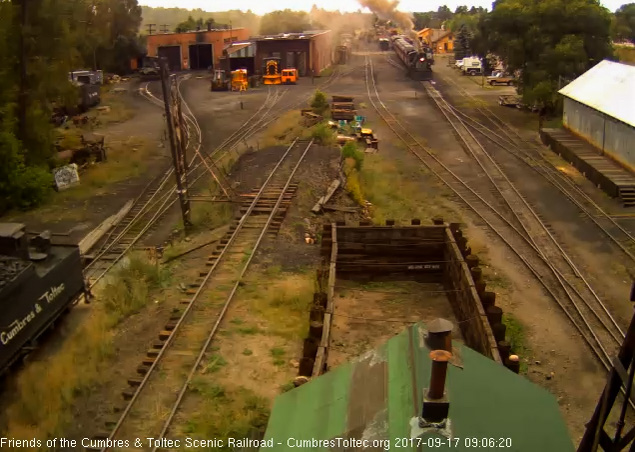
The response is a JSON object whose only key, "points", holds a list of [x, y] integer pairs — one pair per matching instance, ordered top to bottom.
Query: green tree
{"points": [[285, 21], [624, 23], [548, 39], [462, 42], [319, 104]]}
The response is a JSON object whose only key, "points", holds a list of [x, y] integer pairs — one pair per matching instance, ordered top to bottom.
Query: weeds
{"points": [[323, 134], [351, 151], [384, 182], [206, 216], [129, 290], [283, 304], [249, 330], [515, 335], [247, 352], [277, 352], [216, 363], [287, 387], [45, 410], [243, 413]]}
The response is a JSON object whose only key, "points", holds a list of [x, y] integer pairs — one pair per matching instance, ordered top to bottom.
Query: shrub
{"points": [[319, 103], [322, 134], [350, 150], [21, 186], [129, 290]]}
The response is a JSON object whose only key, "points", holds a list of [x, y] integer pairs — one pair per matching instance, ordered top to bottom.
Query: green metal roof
{"points": [[379, 396]]}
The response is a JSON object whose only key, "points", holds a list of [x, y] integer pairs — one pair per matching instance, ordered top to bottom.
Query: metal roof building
{"points": [[600, 107], [379, 397]]}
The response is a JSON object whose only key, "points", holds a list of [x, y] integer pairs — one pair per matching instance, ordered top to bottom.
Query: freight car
{"points": [[418, 61], [39, 281]]}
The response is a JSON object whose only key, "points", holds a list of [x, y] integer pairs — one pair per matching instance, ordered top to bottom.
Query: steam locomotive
{"points": [[418, 60], [39, 281]]}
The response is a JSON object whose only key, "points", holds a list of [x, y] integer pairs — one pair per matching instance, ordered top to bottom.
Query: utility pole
{"points": [[150, 28], [164, 28], [22, 93], [177, 145]]}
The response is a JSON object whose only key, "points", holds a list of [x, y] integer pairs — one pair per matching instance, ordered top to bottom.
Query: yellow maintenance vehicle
{"points": [[271, 71], [289, 76], [240, 82]]}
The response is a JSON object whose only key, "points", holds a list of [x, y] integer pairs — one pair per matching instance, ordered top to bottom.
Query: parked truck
{"points": [[472, 66], [499, 79]]}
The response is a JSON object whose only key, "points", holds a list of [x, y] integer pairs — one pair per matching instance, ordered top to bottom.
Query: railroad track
{"points": [[509, 140], [160, 195], [505, 212], [155, 397]]}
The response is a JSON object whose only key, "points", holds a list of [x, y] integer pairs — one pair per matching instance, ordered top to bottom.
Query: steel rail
{"points": [[238, 136], [546, 165], [540, 167], [148, 206], [542, 226], [588, 286], [194, 298], [221, 315], [603, 359]]}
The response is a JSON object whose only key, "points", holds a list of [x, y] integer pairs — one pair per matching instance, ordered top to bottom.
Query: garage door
{"points": [[173, 55], [201, 56]]}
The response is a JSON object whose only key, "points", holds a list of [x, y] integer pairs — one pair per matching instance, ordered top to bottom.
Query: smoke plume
{"points": [[387, 10]]}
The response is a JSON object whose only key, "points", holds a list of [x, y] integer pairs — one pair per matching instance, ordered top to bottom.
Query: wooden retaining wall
{"points": [[435, 253], [464, 293]]}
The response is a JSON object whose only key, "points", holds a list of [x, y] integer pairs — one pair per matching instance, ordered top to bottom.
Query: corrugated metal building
{"points": [[599, 106], [378, 397]]}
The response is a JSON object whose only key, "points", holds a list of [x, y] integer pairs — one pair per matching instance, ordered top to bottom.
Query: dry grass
{"points": [[625, 54], [118, 111], [283, 130], [396, 192], [282, 303], [42, 411]]}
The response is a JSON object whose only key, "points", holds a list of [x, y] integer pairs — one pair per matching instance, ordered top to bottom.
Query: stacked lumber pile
{"points": [[343, 107]]}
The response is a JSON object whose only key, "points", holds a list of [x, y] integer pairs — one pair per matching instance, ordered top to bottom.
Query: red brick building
{"points": [[194, 49], [309, 51]]}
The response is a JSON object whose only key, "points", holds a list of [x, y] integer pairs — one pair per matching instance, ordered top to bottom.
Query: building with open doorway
{"points": [[201, 49], [309, 52]]}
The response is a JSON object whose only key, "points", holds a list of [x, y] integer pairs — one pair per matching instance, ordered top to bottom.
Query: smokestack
{"points": [[440, 335], [435, 403]]}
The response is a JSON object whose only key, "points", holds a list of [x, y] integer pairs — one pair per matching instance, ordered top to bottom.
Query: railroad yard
{"points": [[216, 324]]}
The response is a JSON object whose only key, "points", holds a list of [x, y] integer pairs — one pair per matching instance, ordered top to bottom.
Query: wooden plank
{"points": [[324, 199], [340, 209], [96, 234], [331, 284], [328, 315], [326, 330], [319, 362]]}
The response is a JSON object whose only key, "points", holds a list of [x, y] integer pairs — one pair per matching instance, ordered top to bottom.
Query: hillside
{"points": [[173, 16]]}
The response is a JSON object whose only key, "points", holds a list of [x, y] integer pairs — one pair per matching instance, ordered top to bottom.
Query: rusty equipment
{"points": [[220, 82], [620, 378]]}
